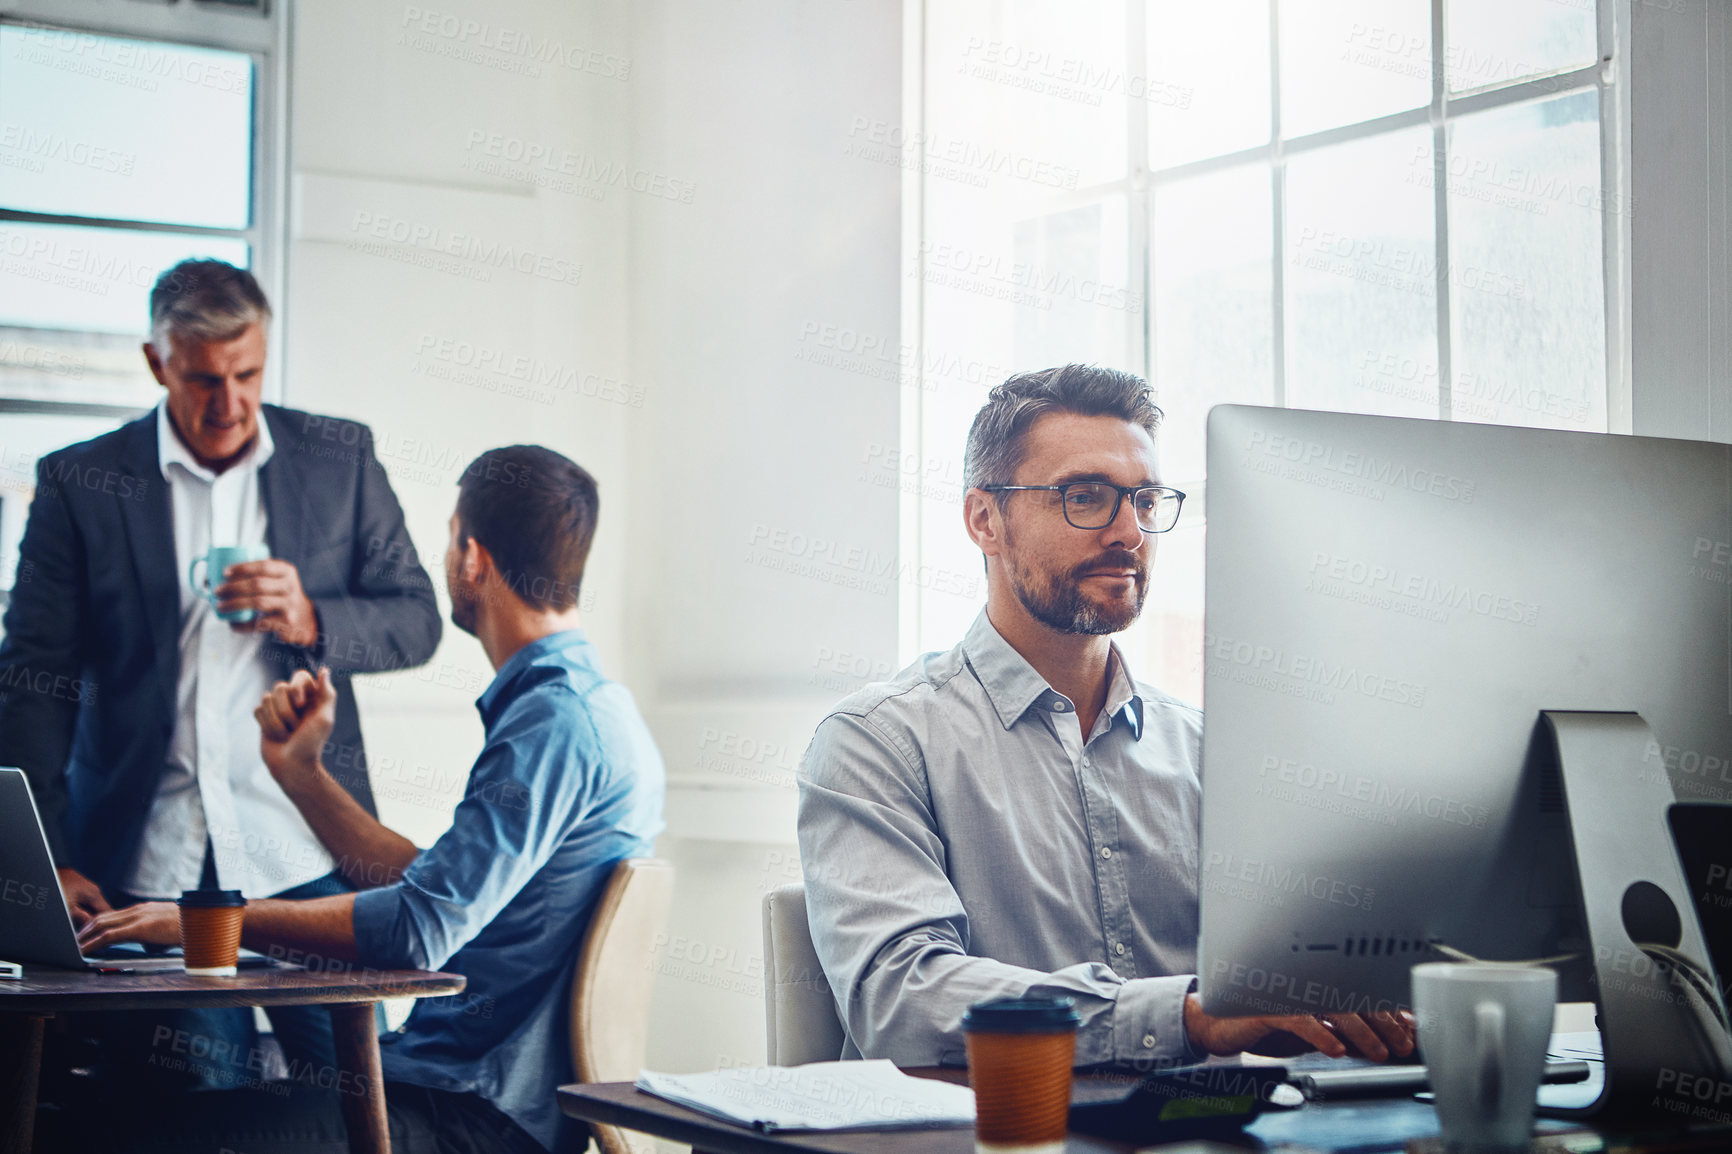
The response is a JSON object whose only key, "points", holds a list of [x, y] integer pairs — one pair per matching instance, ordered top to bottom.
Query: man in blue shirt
{"points": [[568, 783]]}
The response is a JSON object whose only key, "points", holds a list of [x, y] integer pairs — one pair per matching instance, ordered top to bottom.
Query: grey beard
{"points": [[1068, 611]]}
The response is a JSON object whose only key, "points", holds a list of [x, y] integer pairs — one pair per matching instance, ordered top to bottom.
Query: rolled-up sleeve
{"points": [[533, 780], [892, 933]]}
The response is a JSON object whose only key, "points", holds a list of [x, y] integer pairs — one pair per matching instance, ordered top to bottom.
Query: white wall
{"points": [[390, 124], [1679, 212], [739, 242], [751, 454]]}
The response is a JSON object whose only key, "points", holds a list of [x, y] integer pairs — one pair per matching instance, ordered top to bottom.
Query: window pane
{"points": [[1496, 41], [1343, 61], [1209, 78], [1023, 98], [1025, 106], [124, 129], [1361, 278], [92, 279], [1003, 296], [1527, 300], [1078, 305], [1213, 319], [86, 368]]}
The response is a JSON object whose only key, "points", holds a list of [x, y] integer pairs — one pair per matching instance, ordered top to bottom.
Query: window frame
{"points": [[1612, 25], [261, 33], [1607, 76]]}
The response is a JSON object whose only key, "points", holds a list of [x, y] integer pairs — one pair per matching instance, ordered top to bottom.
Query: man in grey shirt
{"points": [[1018, 815]]}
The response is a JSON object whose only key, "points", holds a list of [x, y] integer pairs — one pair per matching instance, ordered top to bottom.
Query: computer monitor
{"points": [[1430, 648]]}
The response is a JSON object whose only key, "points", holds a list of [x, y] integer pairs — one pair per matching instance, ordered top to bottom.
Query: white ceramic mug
{"points": [[1484, 1028]]}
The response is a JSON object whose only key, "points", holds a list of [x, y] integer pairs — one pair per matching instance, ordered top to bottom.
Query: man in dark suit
{"points": [[124, 695]]}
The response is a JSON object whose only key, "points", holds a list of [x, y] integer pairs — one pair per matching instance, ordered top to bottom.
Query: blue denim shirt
{"points": [[568, 783]]}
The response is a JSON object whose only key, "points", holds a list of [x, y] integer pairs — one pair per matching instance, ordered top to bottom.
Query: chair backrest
{"points": [[610, 992], [799, 1011]]}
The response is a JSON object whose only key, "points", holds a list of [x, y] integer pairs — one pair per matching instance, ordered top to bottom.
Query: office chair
{"points": [[610, 990], [801, 1024]]}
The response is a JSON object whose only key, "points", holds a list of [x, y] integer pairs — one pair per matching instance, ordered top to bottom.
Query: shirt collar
{"points": [[171, 450], [520, 661], [1012, 685], [1122, 695]]}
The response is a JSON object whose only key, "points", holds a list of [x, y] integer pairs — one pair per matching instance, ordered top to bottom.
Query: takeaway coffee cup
{"points": [[215, 560], [210, 931], [1484, 1028], [1019, 1059]]}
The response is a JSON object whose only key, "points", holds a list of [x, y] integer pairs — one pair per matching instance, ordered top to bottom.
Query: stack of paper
{"points": [[871, 1095]]}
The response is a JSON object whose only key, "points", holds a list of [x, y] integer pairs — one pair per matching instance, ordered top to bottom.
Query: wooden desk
{"points": [[24, 1005], [623, 1104], [1366, 1125]]}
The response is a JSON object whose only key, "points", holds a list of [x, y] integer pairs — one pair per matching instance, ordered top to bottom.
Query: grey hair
{"points": [[207, 300], [995, 442]]}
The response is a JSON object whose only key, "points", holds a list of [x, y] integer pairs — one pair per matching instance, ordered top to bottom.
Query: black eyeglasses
{"points": [[1094, 504]]}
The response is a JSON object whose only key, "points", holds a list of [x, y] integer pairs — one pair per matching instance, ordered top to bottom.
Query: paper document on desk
{"points": [[865, 1095]]}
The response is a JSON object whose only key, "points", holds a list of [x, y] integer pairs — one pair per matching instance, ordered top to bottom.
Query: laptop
{"points": [[34, 924]]}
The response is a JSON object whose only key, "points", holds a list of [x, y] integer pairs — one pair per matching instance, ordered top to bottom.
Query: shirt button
{"points": [[1059, 707], [1085, 763], [1106, 852], [1119, 949], [1148, 1041]]}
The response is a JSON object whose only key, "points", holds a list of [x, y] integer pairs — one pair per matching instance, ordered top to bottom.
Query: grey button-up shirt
{"points": [[960, 841]]}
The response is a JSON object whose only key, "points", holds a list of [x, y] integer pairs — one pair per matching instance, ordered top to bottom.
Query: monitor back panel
{"points": [[1390, 604]]}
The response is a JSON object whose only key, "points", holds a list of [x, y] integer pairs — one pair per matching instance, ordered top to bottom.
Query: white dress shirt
{"points": [[215, 783]]}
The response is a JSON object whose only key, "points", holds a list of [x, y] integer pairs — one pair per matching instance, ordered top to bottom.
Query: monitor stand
{"points": [[1661, 1062]]}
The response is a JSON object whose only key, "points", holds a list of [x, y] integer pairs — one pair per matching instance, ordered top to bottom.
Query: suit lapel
{"points": [[285, 520], [148, 521]]}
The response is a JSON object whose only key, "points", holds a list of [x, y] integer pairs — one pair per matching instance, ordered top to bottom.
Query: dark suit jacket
{"points": [[91, 658]]}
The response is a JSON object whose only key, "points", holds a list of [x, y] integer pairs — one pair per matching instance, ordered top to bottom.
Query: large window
{"points": [[129, 141], [1380, 206]]}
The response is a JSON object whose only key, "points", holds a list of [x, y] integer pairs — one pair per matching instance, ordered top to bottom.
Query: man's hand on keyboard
{"points": [[84, 898], [153, 923], [1376, 1036]]}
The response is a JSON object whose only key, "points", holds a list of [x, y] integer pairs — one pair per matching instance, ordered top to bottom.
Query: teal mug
{"points": [[217, 559]]}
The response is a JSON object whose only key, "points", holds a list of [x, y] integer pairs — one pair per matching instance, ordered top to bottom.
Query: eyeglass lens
{"points": [[1088, 505]]}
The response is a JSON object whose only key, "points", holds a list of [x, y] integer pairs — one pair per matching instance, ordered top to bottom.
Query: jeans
{"points": [[165, 1052], [283, 1118]]}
